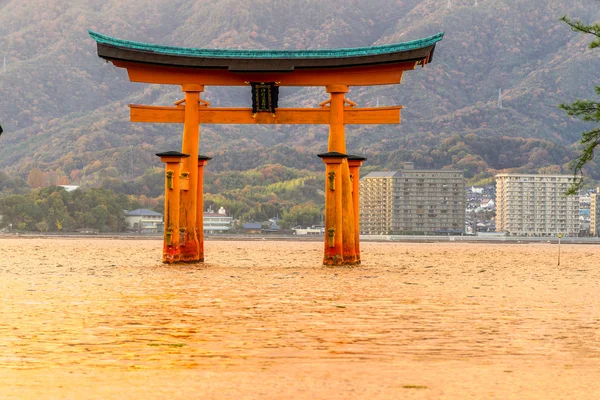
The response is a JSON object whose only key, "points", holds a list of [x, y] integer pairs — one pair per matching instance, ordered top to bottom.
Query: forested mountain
{"points": [[65, 112]]}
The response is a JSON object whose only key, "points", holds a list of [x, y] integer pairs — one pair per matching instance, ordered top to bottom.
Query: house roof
{"points": [[142, 212], [252, 225]]}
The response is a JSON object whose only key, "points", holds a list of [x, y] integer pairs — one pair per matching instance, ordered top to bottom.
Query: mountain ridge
{"points": [[66, 109]]}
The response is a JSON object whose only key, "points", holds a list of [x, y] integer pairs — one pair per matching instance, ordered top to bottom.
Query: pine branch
{"points": [[578, 26], [589, 109], [590, 140]]}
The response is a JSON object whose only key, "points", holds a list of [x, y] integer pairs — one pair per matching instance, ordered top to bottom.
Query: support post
{"points": [[337, 139], [337, 143], [202, 161], [354, 163], [334, 234], [171, 246], [190, 250]]}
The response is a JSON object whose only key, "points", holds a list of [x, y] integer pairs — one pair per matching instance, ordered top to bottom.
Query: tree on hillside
{"points": [[587, 110], [36, 178], [304, 214]]}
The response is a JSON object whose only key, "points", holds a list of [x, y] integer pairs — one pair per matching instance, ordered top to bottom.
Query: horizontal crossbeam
{"points": [[358, 76], [222, 115]]}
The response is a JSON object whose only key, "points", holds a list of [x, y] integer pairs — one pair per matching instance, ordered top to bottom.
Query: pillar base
{"points": [[189, 251], [171, 256], [190, 258], [351, 259], [333, 261], [337, 261], [183, 262], [190, 262]]}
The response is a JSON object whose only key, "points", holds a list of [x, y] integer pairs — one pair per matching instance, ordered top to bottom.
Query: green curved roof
{"points": [[268, 54]]}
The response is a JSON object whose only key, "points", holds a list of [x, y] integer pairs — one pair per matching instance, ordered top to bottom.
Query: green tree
{"points": [[587, 110], [304, 214], [99, 217]]}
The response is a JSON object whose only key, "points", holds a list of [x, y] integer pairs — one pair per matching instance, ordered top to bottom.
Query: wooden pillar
{"points": [[337, 139], [337, 143], [202, 161], [355, 162], [348, 225], [171, 243], [190, 250], [334, 251]]}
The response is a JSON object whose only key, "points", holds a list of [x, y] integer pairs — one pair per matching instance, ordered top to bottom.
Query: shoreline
{"points": [[484, 239]]}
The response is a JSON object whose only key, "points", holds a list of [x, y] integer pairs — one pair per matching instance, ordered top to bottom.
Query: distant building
{"points": [[69, 188], [584, 200], [412, 201], [487, 204], [536, 205], [595, 213], [144, 221], [217, 222], [584, 222], [252, 227], [272, 227], [308, 231]]}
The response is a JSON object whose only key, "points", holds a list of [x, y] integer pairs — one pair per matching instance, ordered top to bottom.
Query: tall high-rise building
{"points": [[412, 201], [536, 205], [595, 213]]}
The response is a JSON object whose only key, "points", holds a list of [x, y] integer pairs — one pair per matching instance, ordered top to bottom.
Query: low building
{"points": [[487, 204], [144, 221], [217, 222], [252, 227], [271, 227]]}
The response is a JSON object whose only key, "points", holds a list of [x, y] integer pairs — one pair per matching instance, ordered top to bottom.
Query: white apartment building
{"points": [[412, 201], [536, 205], [595, 213], [144, 221], [217, 222]]}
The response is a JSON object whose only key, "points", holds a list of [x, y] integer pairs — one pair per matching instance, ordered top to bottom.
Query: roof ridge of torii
{"points": [[260, 53], [354, 66], [264, 71]]}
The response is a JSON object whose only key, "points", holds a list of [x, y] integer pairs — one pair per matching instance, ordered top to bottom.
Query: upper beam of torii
{"points": [[363, 66], [265, 70]]}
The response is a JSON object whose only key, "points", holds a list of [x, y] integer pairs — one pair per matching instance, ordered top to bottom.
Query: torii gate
{"points": [[265, 71]]}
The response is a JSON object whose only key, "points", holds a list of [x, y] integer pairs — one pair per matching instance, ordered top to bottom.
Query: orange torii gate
{"points": [[265, 71]]}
